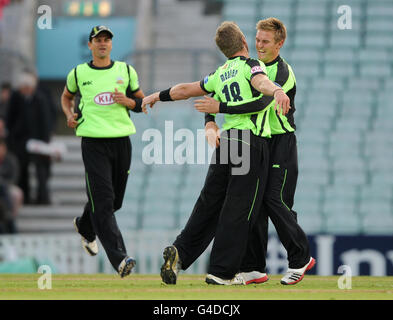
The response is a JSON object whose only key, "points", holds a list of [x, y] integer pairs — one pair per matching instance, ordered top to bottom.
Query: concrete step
{"points": [[65, 169], [69, 198], [51, 212], [48, 226]]}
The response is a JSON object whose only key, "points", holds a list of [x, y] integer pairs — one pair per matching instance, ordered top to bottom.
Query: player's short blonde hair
{"points": [[275, 25], [229, 38]]}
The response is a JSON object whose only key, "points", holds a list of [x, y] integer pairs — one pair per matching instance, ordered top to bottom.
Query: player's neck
{"points": [[243, 53], [271, 59], [101, 63]]}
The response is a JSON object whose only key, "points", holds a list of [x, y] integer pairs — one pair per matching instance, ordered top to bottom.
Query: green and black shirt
{"points": [[280, 72], [231, 84], [99, 115]]}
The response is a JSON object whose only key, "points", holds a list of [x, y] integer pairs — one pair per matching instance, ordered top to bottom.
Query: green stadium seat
{"points": [[308, 8], [279, 9], [380, 9], [237, 10], [310, 23], [378, 24], [345, 38], [309, 40], [379, 40], [303, 55], [334, 55], [369, 55], [305, 69], [338, 69], [375, 70], [332, 84], [363, 84], [388, 85], [320, 111], [316, 121], [352, 124], [307, 136], [348, 137], [378, 149], [341, 151], [380, 162], [316, 177], [352, 178], [382, 178], [308, 192], [338, 192], [376, 192], [339, 206], [374, 207], [159, 208], [340, 221], [159, 222], [310, 222], [382, 223]]}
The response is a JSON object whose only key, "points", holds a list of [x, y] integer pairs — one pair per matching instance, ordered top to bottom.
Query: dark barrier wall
{"points": [[365, 255]]}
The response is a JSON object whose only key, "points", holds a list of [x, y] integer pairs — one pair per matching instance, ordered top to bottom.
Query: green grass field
{"points": [[189, 287]]}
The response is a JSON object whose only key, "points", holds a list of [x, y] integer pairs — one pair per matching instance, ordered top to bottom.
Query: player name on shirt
{"points": [[228, 75]]}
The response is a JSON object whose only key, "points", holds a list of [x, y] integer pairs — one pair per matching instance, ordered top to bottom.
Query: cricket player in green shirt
{"points": [[109, 90], [283, 164], [229, 202]]}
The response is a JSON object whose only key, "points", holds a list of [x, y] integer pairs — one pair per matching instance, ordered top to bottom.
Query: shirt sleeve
{"points": [[254, 67], [134, 81], [208, 83], [71, 84]]}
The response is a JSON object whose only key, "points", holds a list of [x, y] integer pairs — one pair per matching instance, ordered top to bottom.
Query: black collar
{"points": [[241, 58], [273, 62], [91, 65]]}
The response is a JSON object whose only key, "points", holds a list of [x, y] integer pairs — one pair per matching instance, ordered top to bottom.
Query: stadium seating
{"points": [[343, 117]]}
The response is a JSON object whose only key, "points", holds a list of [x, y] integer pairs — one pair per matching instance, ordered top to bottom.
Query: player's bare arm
{"points": [[262, 83], [181, 91], [67, 105]]}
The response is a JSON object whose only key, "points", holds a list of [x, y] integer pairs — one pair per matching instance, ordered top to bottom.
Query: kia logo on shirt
{"points": [[104, 99]]}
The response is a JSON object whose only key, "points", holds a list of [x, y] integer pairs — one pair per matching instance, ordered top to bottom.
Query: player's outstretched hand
{"points": [[150, 100], [282, 102], [208, 104]]}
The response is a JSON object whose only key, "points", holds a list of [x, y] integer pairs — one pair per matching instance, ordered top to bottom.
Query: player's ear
{"points": [[89, 44], [280, 44]]}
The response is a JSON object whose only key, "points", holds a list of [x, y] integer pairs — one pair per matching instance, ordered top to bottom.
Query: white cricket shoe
{"points": [[90, 247], [126, 266], [294, 276], [253, 277], [236, 280]]}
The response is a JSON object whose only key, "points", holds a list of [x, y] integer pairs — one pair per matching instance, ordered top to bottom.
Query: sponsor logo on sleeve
{"points": [[256, 69]]}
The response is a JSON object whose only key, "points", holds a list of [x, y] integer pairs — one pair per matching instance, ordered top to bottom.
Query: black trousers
{"points": [[107, 162], [277, 204], [228, 205]]}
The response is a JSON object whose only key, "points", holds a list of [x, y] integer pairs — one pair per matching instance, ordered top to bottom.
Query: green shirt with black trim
{"points": [[280, 72], [231, 83], [98, 115]]}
